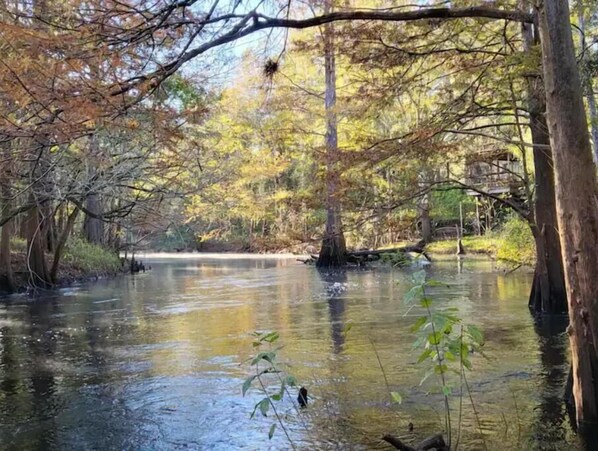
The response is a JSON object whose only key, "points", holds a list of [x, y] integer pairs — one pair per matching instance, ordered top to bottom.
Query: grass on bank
{"points": [[513, 244], [80, 259], [90, 259]]}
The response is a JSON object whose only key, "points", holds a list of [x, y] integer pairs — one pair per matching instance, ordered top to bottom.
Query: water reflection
{"points": [[336, 285], [152, 361], [551, 424]]}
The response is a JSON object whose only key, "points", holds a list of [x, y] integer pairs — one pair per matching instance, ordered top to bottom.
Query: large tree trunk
{"points": [[577, 203], [93, 227], [35, 228], [333, 253], [36, 259], [548, 294]]}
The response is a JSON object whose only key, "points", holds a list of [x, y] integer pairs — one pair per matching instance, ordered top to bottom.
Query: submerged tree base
{"points": [[333, 253], [361, 257]]}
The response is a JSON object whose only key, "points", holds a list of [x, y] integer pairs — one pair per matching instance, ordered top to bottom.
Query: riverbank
{"points": [[512, 250], [81, 261]]}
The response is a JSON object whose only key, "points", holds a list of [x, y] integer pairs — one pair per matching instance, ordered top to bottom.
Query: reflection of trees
{"points": [[336, 306], [42, 347], [550, 425]]}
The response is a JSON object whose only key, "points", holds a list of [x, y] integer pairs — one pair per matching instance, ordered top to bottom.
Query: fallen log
{"points": [[374, 254], [434, 442]]}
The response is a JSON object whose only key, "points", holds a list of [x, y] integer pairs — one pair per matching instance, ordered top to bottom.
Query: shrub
{"points": [[516, 243], [473, 245], [90, 258], [397, 259]]}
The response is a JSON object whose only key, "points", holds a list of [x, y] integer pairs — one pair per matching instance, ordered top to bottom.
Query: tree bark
{"points": [[587, 81], [577, 202], [424, 217], [93, 227], [35, 229], [333, 253], [36, 259], [7, 281], [548, 294]]}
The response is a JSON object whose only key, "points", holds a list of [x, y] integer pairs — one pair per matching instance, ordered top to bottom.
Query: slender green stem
{"points": [[439, 364], [258, 377], [460, 389], [475, 412]]}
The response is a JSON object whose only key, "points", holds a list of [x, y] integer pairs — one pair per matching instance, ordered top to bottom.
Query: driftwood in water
{"points": [[369, 255], [434, 442]]}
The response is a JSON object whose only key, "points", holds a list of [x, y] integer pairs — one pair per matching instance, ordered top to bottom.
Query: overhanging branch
{"points": [[254, 22]]}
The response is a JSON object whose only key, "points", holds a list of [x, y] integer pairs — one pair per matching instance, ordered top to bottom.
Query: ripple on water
{"points": [[155, 362]]}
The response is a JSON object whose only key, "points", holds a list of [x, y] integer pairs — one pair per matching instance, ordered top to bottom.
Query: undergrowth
{"points": [[90, 258]]}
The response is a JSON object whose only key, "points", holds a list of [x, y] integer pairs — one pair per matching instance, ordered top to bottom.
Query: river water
{"points": [[157, 360]]}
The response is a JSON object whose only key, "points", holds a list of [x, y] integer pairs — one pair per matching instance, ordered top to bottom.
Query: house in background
{"points": [[496, 172]]}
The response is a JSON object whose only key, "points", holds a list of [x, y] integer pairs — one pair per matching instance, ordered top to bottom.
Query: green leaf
{"points": [[419, 278], [436, 283], [413, 294], [426, 302], [419, 323], [347, 327], [476, 334], [271, 337], [434, 338], [464, 351], [424, 355], [267, 356], [440, 369], [291, 381], [247, 383], [446, 390], [276, 396], [396, 397], [264, 406], [271, 432]]}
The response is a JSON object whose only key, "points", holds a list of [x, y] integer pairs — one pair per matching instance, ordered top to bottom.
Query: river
{"points": [[157, 360]]}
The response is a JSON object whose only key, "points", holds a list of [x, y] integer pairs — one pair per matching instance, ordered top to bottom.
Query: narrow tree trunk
{"points": [[586, 80], [593, 116], [577, 203], [426, 223], [61, 242], [333, 253], [7, 281]]}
